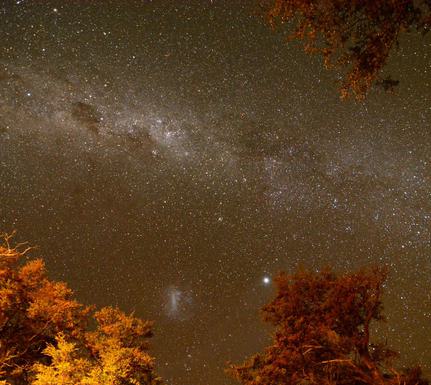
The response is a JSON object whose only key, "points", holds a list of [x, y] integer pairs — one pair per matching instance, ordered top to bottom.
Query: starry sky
{"points": [[171, 157]]}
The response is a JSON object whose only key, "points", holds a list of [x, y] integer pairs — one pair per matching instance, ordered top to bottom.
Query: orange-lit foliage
{"points": [[355, 35], [322, 334], [45, 338], [113, 354]]}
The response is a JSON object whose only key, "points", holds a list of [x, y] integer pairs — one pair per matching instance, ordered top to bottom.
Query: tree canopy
{"points": [[356, 36], [322, 334], [48, 338]]}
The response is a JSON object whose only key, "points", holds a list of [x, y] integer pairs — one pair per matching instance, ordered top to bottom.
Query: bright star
{"points": [[266, 280]]}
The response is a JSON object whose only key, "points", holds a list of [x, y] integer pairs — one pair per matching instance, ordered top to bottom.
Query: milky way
{"points": [[171, 159]]}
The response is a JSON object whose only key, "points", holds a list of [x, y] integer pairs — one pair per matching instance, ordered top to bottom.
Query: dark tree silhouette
{"points": [[354, 35], [322, 334]]}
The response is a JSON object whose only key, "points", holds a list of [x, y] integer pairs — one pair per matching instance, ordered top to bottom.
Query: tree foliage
{"points": [[354, 35], [322, 334], [46, 338]]}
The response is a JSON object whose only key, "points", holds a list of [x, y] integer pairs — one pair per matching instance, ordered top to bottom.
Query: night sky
{"points": [[170, 157]]}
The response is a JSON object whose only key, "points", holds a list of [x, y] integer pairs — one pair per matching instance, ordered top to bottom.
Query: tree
{"points": [[356, 36], [322, 334], [46, 338], [114, 354]]}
